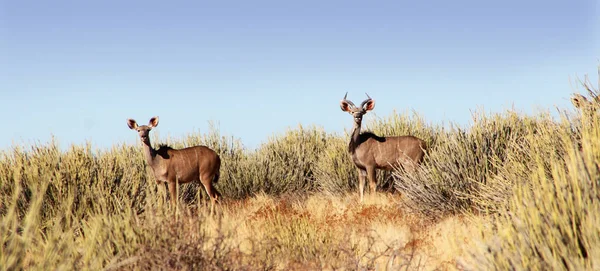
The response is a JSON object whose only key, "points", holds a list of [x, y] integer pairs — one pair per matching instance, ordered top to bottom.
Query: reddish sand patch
{"points": [[281, 207]]}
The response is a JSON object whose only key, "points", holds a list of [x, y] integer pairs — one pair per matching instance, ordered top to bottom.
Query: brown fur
{"points": [[371, 152], [387, 152], [171, 166]]}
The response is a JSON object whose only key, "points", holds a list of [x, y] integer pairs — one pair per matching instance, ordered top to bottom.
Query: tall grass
{"points": [[462, 169], [245, 173], [533, 178], [554, 207], [552, 222]]}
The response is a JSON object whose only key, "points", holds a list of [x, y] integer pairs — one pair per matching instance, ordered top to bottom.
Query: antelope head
{"points": [[357, 112], [144, 130]]}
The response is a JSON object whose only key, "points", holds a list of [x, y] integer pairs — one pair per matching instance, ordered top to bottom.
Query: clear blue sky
{"points": [[79, 69]]}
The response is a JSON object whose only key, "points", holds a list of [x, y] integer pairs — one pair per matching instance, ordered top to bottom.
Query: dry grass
{"points": [[511, 192], [80, 209], [316, 232]]}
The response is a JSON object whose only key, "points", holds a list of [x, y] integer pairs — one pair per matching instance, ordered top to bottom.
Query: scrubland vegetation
{"points": [[511, 191]]}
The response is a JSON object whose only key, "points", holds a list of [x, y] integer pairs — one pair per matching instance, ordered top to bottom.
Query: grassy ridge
{"points": [[529, 184]]}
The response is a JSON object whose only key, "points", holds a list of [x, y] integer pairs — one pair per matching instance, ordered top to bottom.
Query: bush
{"points": [[462, 169], [536, 180]]}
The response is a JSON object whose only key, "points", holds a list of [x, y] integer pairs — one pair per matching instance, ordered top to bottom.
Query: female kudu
{"points": [[171, 166]]}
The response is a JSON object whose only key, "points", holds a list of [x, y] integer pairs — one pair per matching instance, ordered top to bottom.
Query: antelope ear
{"points": [[578, 100], [369, 105], [345, 106], [153, 122], [132, 124]]}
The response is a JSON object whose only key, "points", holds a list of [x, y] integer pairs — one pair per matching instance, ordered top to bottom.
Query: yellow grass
{"points": [[511, 192]]}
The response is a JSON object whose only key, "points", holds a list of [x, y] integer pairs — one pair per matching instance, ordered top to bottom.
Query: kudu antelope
{"points": [[581, 102], [588, 110], [370, 152], [198, 163]]}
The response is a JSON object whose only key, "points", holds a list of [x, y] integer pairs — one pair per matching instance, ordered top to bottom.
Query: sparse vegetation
{"points": [[511, 191]]}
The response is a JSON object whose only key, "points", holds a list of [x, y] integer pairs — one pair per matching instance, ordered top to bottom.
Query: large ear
{"points": [[578, 100], [369, 105], [345, 106], [153, 122], [132, 124]]}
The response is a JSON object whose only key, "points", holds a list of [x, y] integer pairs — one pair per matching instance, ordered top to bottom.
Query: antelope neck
{"points": [[354, 137], [149, 152]]}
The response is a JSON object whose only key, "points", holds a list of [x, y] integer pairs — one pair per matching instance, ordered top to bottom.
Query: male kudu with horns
{"points": [[371, 152]]}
